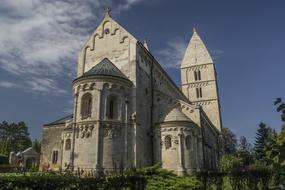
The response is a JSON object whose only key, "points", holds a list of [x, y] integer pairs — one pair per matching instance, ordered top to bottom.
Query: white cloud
{"points": [[126, 5], [37, 35], [40, 39], [171, 56], [7, 84], [45, 86]]}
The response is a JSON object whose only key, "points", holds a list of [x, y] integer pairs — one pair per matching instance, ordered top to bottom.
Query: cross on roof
{"points": [[108, 11]]}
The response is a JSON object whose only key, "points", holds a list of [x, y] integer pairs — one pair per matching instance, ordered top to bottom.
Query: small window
{"points": [[107, 31], [195, 75], [199, 75], [199, 92], [86, 105], [112, 107], [167, 142], [188, 142], [67, 144], [54, 156]]}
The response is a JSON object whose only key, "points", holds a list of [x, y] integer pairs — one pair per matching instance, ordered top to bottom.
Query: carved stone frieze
{"points": [[84, 131], [111, 131]]}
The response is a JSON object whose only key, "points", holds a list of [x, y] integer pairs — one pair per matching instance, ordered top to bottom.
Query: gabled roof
{"points": [[105, 68], [61, 120], [30, 151]]}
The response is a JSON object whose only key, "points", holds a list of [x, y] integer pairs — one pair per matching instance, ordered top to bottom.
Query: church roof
{"points": [[196, 52], [105, 68], [176, 115], [61, 120], [30, 151]]}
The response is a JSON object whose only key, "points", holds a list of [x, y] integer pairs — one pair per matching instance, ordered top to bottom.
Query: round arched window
{"points": [[107, 31], [86, 105], [167, 142], [188, 142], [67, 144]]}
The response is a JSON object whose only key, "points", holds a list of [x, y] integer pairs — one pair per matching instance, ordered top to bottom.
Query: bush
{"points": [[4, 159], [158, 178], [56, 182]]}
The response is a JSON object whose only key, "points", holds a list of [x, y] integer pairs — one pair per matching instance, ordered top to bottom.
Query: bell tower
{"points": [[199, 81]]}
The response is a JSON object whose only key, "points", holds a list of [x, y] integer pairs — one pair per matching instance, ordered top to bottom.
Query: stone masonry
{"points": [[128, 112]]}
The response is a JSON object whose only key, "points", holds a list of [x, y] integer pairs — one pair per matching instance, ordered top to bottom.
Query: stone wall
{"points": [[51, 141], [106, 146]]}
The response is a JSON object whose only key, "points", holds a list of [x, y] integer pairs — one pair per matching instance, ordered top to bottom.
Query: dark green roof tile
{"points": [[105, 68], [61, 120]]}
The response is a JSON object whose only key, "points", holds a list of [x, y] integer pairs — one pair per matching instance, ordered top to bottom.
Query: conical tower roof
{"points": [[196, 52], [105, 68], [176, 115]]}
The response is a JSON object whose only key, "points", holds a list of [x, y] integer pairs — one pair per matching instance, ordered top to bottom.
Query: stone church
{"points": [[128, 112]]}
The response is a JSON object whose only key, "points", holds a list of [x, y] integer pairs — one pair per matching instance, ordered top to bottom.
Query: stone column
{"points": [[73, 130], [126, 133], [197, 154], [97, 161], [181, 169]]}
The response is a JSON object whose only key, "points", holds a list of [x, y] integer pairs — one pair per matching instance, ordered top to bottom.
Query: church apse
{"points": [[128, 112]]}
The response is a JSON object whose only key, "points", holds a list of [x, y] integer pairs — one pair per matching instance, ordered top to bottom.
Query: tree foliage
{"points": [[280, 107], [13, 137], [229, 140], [260, 141], [36, 145]]}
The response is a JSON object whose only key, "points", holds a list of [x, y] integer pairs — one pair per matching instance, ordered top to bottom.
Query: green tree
{"points": [[280, 107], [13, 137], [230, 141], [260, 141], [36, 145], [244, 146], [271, 148], [244, 152]]}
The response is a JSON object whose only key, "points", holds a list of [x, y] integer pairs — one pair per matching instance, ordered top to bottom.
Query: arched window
{"points": [[195, 75], [199, 75], [200, 90], [197, 92], [86, 105], [112, 107], [167, 142], [188, 142], [67, 144], [54, 156]]}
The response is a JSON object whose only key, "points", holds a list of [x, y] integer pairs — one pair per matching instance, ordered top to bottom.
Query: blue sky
{"points": [[40, 40]]}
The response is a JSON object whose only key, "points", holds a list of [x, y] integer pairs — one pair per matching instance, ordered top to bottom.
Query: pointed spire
{"points": [[108, 12], [145, 44], [196, 52]]}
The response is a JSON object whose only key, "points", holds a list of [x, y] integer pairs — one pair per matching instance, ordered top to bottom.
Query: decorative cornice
{"points": [[198, 65], [198, 82], [204, 100]]}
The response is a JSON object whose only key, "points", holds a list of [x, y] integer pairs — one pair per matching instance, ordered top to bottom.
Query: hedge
{"points": [[4, 159], [151, 178], [56, 182]]}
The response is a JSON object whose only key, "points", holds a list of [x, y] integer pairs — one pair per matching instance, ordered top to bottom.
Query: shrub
{"points": [[4, 159], [56, 182]]}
